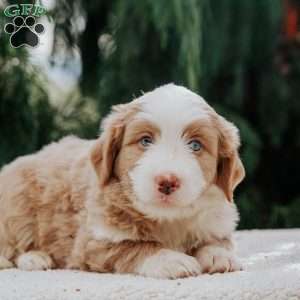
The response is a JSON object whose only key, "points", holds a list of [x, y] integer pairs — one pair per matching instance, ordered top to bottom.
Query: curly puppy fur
{"points": [[139, 199]]}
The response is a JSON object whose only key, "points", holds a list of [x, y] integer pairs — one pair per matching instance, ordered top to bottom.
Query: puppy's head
{"points": [[166, 149]]}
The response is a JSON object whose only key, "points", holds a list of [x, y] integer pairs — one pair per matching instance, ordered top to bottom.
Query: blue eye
{"points": [[146, 141], [194, 145]]}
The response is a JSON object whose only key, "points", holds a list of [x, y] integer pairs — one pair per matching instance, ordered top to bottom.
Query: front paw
{"points": [[214, 259], [34, 261], [169, 264]]}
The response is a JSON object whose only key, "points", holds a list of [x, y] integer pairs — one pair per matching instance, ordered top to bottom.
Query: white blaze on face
{"points": [[171, 109]]}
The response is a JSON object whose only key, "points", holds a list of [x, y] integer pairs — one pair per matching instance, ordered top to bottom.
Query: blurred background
{"points": [[243, 57]]}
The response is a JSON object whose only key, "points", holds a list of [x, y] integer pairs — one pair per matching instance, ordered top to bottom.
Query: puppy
{"points": [[153, 195]]}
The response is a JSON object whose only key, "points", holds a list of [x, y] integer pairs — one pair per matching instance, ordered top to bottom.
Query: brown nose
{"points": [[167, 183]]}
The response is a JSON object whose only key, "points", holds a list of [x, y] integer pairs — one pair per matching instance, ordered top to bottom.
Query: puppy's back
{"points": [[36, 194]]}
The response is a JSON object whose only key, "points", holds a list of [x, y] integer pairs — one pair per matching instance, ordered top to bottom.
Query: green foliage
{"points": [[155, 45], [230, 51], [26, 118]]}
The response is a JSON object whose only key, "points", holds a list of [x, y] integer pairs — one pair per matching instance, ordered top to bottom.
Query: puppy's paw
{"points": [[214, 259], [34, 260], [5, 263], [169, 264]]}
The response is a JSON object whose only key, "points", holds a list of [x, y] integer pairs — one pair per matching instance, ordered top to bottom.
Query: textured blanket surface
{"points": [[271, 260]]}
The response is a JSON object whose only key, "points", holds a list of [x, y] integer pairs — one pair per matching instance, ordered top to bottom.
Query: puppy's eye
{"points": [[146, 141], [194, 145]]}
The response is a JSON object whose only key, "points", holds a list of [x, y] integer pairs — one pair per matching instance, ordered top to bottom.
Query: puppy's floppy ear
{"points": [[106, 148], [104, 153], [230, 170]]}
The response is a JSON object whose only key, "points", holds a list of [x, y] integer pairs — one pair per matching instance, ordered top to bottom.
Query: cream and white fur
{"points": [[97, 206]]}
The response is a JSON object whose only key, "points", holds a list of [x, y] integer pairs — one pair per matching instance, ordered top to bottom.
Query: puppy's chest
{"points": [[180, 236]]}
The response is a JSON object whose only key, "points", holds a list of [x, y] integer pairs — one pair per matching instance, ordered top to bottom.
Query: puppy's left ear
{"points": [[106, 148], [230, 170]]}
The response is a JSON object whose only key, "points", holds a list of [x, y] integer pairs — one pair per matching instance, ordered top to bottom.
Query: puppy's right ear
{"points": [[107, 146], [104, 153], [96, 155]]}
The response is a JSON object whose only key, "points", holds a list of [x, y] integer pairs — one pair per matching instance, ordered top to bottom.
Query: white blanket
{"points": [[272, 271]]}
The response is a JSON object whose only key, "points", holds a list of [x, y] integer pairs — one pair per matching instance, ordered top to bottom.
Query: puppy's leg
{"points": [[18, 194], [16, 236], [6, 250], [218, 257], [143, 258], [34, 260], [5, 263]]}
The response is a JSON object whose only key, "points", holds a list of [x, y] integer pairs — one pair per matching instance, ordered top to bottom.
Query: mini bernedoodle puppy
{"points": [[153, 195]]}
